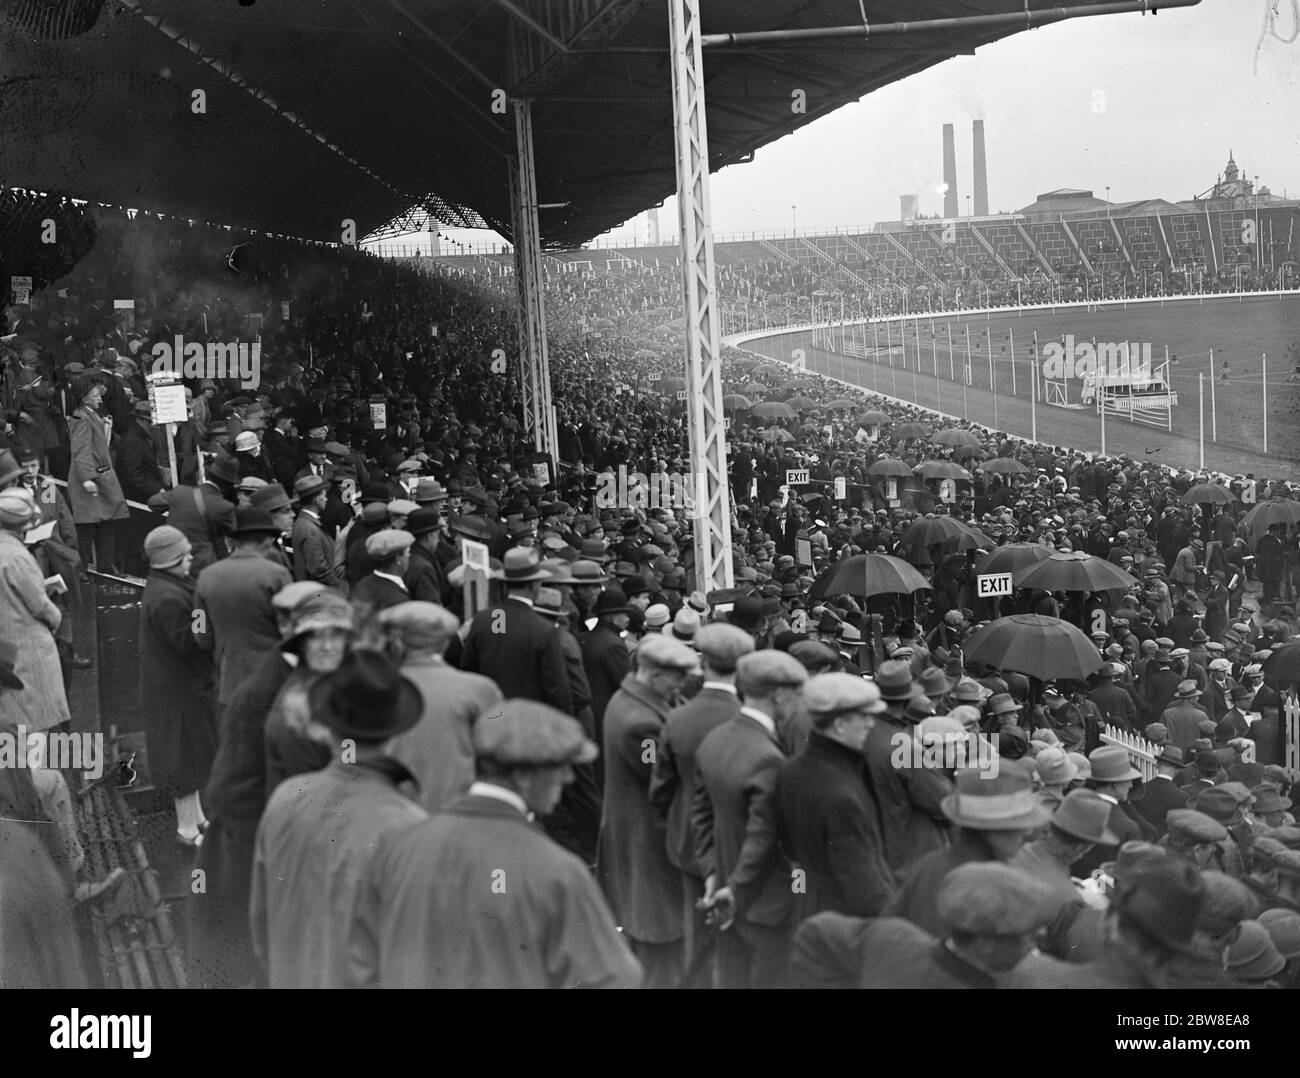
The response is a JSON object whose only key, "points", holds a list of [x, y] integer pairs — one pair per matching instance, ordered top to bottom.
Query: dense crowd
{"points": [[594, 768]]}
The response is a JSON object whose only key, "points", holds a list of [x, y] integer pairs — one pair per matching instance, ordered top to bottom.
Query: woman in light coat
{"points": [[93, 488], [28, 620]]}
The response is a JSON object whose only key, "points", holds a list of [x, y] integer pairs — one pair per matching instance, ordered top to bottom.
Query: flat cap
{"points": [[402, 507], [389, 541], [291, 595], [419, 623], [723, 645], [666, 653], [814, 653], [768, 668], [833, 694], [528, 733], [1193, 826], [1288, 862], [989, 898], [1283, 927]]}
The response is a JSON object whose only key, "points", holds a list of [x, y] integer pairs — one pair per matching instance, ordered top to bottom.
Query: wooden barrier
{"points": [[1142, 753]]}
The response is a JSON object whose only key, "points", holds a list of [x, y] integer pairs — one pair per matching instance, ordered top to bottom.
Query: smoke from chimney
{"points": [[981, 171], [949, 172]]}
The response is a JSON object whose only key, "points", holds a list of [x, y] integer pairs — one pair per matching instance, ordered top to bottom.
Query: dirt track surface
{"points": [[1237, 331]]}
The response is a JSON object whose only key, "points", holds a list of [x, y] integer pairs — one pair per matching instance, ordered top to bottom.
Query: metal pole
{"points": [[1011, 335], [889, 347], [875, 353], [1264, 356], [934, 357], [916, 371], [952, 372], [966, 375], [993, 382], [1200, 388], [1101, 396], [1033, 400], [1214, 413], [707, 425]]}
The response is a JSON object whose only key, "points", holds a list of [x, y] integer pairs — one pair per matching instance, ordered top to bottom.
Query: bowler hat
{"points": [[423, 521], [611, 601]]}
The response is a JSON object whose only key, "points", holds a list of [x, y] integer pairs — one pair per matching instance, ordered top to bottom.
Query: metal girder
{"points": [[587, 24], [534, 365], [713, 568]]}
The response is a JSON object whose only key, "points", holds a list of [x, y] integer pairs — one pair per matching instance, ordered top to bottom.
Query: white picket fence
{"points": [[1291, 724], [1142, 753]]}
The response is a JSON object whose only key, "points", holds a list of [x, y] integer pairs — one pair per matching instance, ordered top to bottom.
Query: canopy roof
{"points": [[318, 112]]}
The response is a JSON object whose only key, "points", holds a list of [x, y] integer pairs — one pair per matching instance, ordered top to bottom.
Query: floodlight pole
{"points": [[534, 365], [712, 523]]}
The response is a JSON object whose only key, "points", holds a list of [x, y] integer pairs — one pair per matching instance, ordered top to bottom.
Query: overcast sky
{"points": [[1147, 104]]}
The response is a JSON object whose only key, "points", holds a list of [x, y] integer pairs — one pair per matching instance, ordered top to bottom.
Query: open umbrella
{"points": [[645, 353], [794, 383], [672, 385], [753, 388], [734, 401], [802, 403], [842, 404], [773, 410], [874, 418], [911, 430], [776, 434], [954, 436], [964, 451], [888, 466], [1004, 466], [941, 469], [1208, 494], [1275, 511], [931, 531], [970, 539], [1013, 556], [1077, 571], [865, 575], [1034, 645], [1283, 665]]}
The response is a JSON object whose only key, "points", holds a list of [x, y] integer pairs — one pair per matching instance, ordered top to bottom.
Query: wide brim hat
{"points": [[309, 486], [254, 522], [366, 699], [1018, 810]]}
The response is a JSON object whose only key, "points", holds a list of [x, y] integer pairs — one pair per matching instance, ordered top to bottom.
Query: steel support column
{"points": [[534, 366], [712, 525]]}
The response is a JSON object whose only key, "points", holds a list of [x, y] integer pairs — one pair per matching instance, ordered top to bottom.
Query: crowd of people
{"points": [[593, 768]]}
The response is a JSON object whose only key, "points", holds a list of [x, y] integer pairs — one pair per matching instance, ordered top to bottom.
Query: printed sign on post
{"points": [[22, 287], [284, 310], [653, 376], [681, 394], [168, 400], [378, 412], [796, 477], [841, 488], [891, 489], [947, 490], [803, 552], [474, 555], [992, 585]]}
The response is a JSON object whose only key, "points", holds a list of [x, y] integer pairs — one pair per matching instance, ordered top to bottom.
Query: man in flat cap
{"points": [[389, 552], [439, 749], [672, 777], [909, 797], [827, 819], [320, 829], [735, 831], [643, 886], [478, 896], [989, 915]]}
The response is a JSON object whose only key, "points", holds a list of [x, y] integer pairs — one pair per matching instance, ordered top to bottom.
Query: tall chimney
{"points": [[949, 172], [981, 172]]}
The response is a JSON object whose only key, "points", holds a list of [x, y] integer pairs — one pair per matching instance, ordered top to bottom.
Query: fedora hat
{"points": [[225, 469], [308, 486], [252, 521], [522, 564], [8, 660], [894, 680], [934, 682], [1186, 690], [366, 698], [1003, 703], [1110, 763], [1267, 799], [1002, 802], [1083, 814]]}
